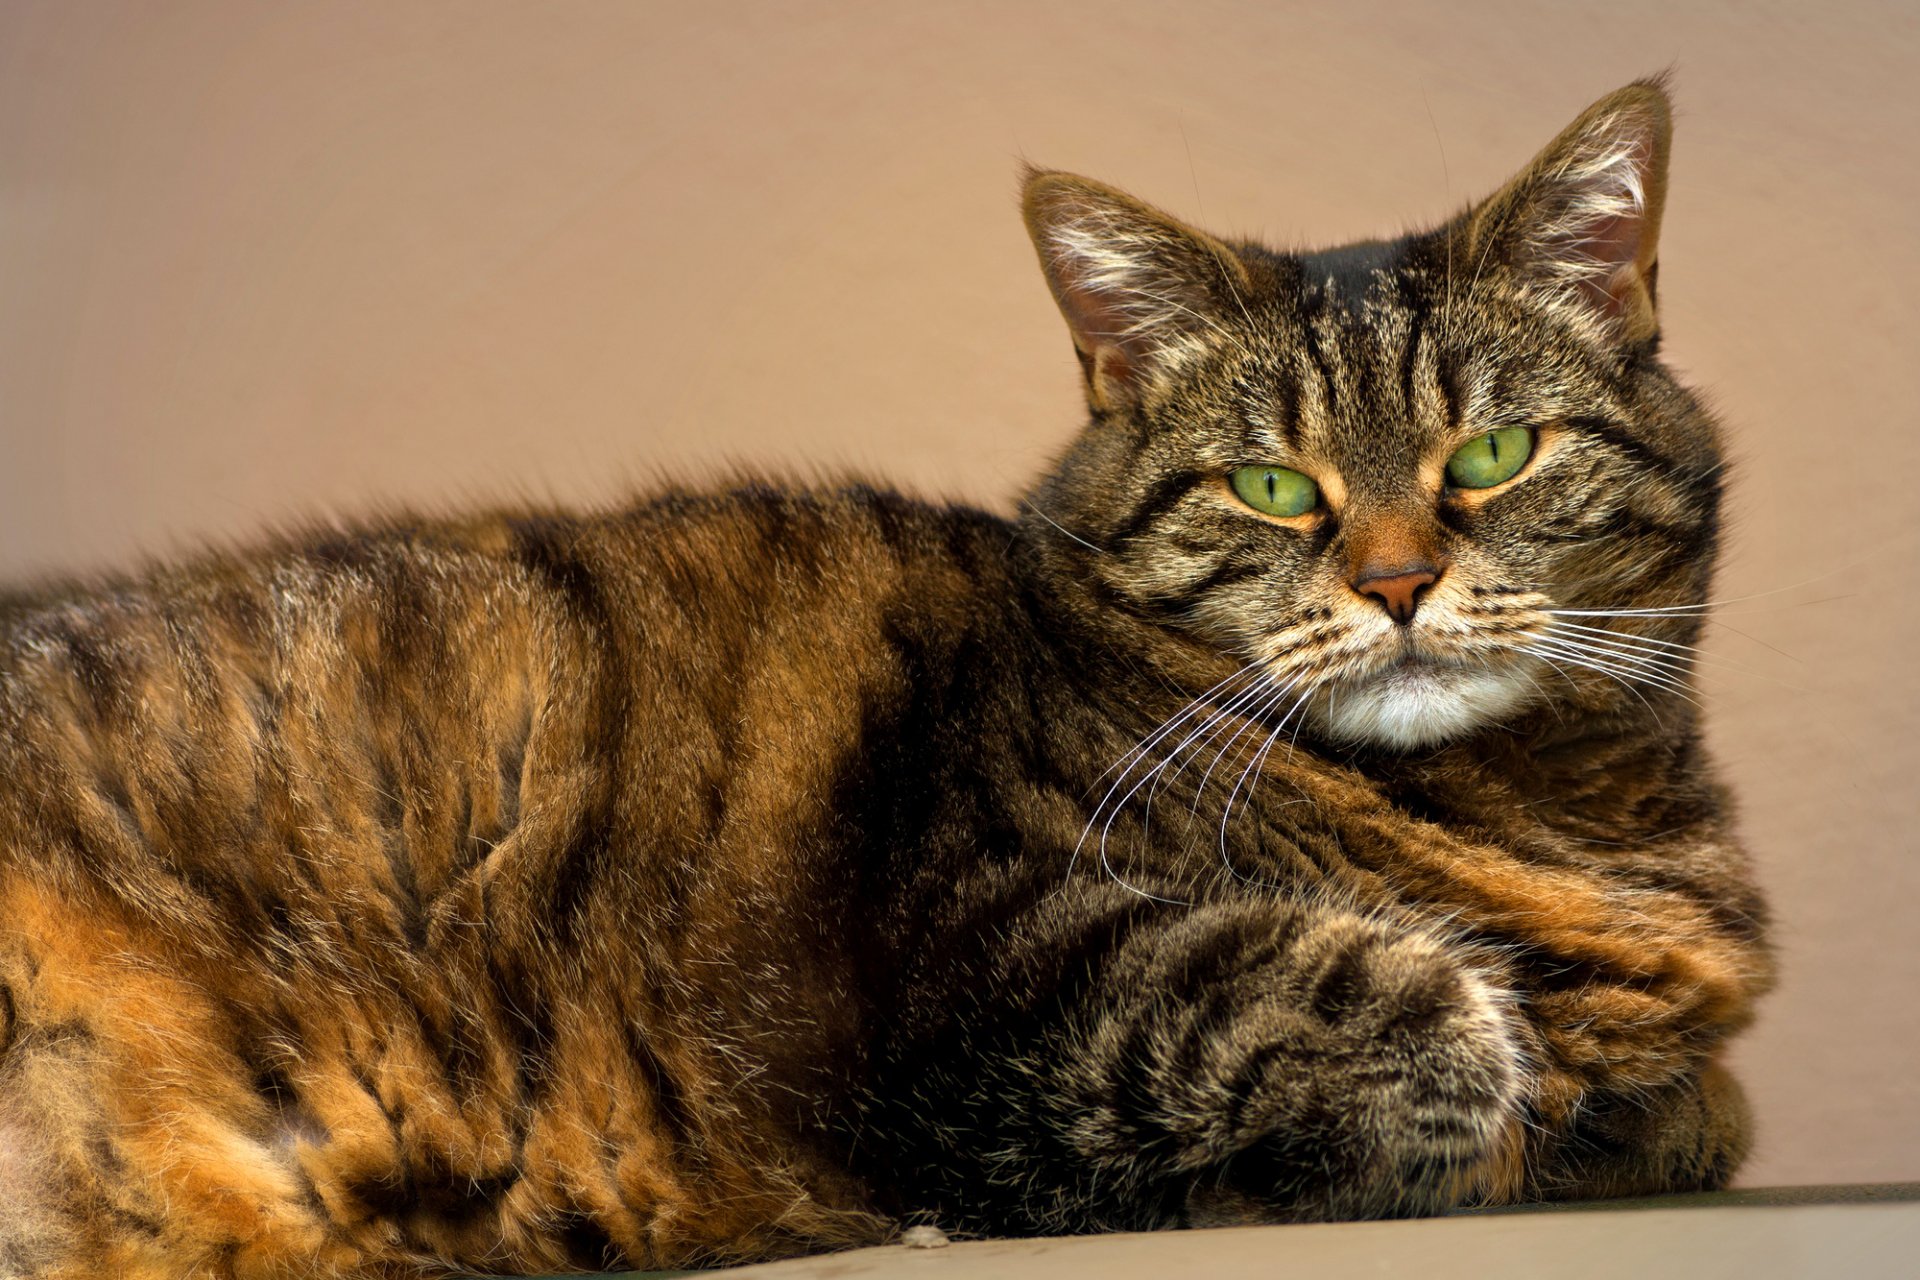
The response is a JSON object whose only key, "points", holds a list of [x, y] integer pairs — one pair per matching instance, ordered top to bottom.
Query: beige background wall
{"points": [[266, 259]]}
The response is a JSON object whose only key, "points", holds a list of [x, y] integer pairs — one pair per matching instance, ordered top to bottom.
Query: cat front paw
{"points": [[1388, 1084], [1691, 1135]]}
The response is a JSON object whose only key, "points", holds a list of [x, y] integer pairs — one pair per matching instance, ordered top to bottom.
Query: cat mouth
{"points": [[1415, 662], [1415, 669]]}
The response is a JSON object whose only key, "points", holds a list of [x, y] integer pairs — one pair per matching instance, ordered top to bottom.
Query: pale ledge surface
{"points": [[1849, 1233]]}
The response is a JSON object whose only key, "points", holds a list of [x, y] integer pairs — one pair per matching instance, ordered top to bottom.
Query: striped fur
{"points": [[746, 873]]}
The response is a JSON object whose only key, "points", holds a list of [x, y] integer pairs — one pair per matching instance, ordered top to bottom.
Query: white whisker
{"points": [[1031, 506], [1628, 636], [1670, 649], [1677, 666], [1634, 667], [1622, 673], [1199, 701], [1236, 714], [1219, 717], [1249, 721], [1138, 752], [1112, 808], [1226, 811]]}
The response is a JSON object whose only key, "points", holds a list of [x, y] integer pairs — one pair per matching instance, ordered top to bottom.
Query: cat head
{"points": [[1407, 490]]}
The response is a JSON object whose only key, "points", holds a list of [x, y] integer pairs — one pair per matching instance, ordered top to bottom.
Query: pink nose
{"points": [[1399, 591]]}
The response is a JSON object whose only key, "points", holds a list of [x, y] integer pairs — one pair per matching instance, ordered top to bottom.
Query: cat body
{"points": [[743, 873]]}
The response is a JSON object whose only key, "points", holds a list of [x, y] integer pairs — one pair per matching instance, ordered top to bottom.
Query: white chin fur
{"points": [[1421, 707]]}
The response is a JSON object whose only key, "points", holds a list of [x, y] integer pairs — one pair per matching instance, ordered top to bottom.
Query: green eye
{"points": [[1487, 460], [1275, 491]]}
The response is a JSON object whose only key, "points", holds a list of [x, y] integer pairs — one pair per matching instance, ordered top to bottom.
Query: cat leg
{"points": [[1246, 1061], [1690, 1135], [133, 1141], [63, 1203], [38, 1236]]}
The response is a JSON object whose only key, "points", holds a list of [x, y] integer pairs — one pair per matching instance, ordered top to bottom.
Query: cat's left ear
{"points": [[1581, 223], [1138, 287]]}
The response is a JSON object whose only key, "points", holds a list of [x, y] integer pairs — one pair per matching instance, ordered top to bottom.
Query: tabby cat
{"points": [[1299, 812]]}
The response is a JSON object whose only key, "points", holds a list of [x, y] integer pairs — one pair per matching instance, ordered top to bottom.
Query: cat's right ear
{"points": [[1138, 288]]}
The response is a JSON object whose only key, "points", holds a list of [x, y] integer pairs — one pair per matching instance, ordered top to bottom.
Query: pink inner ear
{"points": [[1615, 244], [1095, 317], [1099, 325], [1113, 362]]}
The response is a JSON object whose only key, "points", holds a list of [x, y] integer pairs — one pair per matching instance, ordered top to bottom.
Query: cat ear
{"points": [[1582, 221], [1137, 287]]}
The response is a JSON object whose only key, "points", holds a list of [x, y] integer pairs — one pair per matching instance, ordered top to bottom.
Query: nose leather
{"points": [[1398, 590]]}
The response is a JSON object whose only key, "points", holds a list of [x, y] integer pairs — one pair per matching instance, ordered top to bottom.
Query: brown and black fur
{"points": [[738, 874]]}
